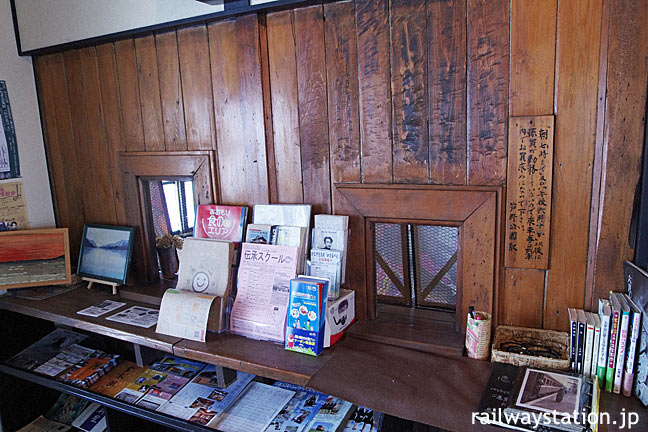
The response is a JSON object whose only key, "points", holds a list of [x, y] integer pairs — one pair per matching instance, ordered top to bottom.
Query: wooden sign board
{"points": [[528, 191], [34, 257]]}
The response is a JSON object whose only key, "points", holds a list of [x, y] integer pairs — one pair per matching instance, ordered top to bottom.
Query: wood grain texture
{"points": [[579, 26], [193, 49], [533, 57], [488, 73], [342, 79], [149, 83], [409, 86], [374, 90], [447, 91], [130, 95], [110, 100], [238, 103], [285, 106], [313, 117], [173, 120], [81, 142], [623, 143], [60, 147], [100, 157], [273, 192], [522, 298]]}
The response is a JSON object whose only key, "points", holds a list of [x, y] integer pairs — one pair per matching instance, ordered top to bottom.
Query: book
{"points": [[220, 222], [332, 222], [332, 232], [258, 233], [284, 235], [327, 264], [636, 281], [605, 313], [306, 314], [633, 337], [573, 339], [622, 340], [588, 344], [580, 345], [46, 348], [595, 348], [612, 351], [88, 371], [118, 378], [202, 393], [67, 408], [299, 411], [332, 416], [92, 419]]}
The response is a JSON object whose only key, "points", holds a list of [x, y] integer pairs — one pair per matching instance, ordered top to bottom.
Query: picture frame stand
{"points": [[92, 281]]}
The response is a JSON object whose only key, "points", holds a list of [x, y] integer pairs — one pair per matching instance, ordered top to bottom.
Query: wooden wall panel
{"points": [[579, 28], [193, 49], [488, 71], [342, 73], [149, 83], [409, 86], [374, 89], [447, 91], [130, 95], [111, 105], [285, 106], [239, 111], [313, 116], [173, 120], [623, 143], [97, 145], [522, 298]]}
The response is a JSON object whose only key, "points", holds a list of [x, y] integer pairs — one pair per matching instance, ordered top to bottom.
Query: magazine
{"points": [[45, 349], [67, 358], [202, 393], [299, 411], [332, 416]]}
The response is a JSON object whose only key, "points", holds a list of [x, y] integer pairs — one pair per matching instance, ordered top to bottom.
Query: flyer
{"points": [[13, 208], [101, 308], [137, 316]]}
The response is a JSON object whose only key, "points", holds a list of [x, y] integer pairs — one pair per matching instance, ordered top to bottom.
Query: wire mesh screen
{"points": [[158, 209], [436, 265], [391, 281]]}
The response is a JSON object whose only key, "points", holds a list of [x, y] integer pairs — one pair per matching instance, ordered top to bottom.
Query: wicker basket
{"points": [[559, 341]]}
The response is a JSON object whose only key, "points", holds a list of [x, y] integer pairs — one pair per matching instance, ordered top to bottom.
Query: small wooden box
{"points": [[558, 341]]}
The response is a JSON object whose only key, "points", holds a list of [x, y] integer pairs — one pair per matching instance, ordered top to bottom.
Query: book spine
{"points": [[572, 342], [580, 347], [588, 349], [603, 349], [621, 351], [595, 352], [609, 373], [628, 376]]}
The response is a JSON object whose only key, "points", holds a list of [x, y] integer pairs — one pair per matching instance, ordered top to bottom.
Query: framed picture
{"points": [[106, 252], [34, 257]]}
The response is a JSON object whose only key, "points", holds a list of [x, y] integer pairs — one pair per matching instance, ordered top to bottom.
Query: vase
{"points": [[168, 262]]}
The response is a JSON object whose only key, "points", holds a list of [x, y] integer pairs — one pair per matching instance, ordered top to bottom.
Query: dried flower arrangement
{"points": [[166, 241]]}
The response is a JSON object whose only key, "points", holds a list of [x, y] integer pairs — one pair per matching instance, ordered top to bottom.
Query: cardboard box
{"points": [[340, 314]]}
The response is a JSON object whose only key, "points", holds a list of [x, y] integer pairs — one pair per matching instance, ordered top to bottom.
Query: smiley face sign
{"points": [[200, 282]]}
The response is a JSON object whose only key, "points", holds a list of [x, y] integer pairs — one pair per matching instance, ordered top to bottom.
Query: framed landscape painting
{"points": [[106, 252], [35, 257]]}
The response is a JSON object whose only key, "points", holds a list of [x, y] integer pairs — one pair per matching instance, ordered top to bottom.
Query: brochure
{"points": [[101, 308], [184, 314], [137, 316], [45, 349], [299, 411]]}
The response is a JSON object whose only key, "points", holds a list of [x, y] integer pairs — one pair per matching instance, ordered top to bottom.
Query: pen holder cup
{"points": [[478, 334]]}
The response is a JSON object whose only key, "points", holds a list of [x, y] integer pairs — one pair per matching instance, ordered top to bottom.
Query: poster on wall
{"points": [[9, 165], [13, 208]]}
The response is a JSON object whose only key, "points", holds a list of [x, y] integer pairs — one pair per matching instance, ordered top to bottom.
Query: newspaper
{"points": [[261, 303], [101, 308], [184, 314], [137, 316], [254, 411]]}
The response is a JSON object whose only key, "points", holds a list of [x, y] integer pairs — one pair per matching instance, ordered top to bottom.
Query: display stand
{"points": [[91, 281]]}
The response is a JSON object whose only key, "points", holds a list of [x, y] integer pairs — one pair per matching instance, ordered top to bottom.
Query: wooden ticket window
{"points": [[138, 168], [475, 211]]}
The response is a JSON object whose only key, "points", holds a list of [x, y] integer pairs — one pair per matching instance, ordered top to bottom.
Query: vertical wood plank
{"points": [[579, 26], [193, 48], [533, 57], [342, 74], [488, 79], [149, 83], [409, 86], [374, 89], [447, 91], [130, 95], [238, 103], [111, 104], [285, 106], [313, 117], [173, 119], [60, 142], [623, 142], [80, 145], [98, 146], [273, 192], [522, 298]]}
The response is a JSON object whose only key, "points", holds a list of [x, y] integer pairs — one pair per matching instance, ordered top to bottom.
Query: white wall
{"points": [[19, 75]]}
